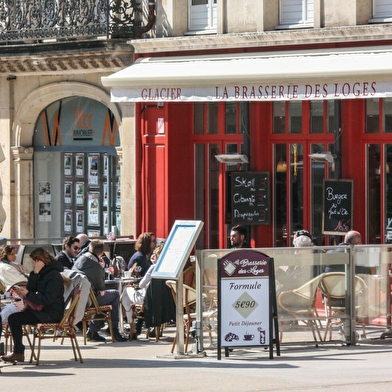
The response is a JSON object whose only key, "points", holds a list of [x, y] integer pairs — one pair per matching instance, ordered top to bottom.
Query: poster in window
{"points": [[79, 160], [67, 164], [105, 165], [93, 167], [44, 191], [68, 192], [79, 193], [105, 193], [118, 195], [93, 209], [45, 212], [68, 221], [80, 221], [118, 221], [105, 223], [93, 233]]}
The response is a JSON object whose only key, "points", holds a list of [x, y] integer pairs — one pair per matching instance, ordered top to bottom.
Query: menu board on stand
{"points": [[175, 253]]}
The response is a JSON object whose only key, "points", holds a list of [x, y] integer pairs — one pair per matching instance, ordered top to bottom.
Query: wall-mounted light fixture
{"points": [[322, 157], [232, 159]]}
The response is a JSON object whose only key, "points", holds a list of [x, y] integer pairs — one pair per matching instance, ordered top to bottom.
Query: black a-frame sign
{"points": [[247, 307]]}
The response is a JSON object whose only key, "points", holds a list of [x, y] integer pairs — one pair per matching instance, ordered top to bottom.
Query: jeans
{"points": [[110, 297], [7, 311]]}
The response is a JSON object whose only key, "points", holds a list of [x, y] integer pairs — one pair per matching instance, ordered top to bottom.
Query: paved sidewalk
{"points": [[146, 365]]}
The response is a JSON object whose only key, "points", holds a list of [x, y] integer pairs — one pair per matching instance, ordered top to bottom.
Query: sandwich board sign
{"points": [[247, 313]]}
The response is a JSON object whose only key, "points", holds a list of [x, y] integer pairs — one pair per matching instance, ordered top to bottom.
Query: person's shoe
{"points": [[139, 326], [151, 333], [117, 336], [134, 336], [95, 337], [13, 357]]}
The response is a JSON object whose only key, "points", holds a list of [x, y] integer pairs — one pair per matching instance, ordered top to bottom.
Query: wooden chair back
{"points": [[189, 300], [97, 312], [62, 330]]}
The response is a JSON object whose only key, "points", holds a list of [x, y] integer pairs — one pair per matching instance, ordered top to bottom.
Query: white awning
{"points": [[256, 77]]}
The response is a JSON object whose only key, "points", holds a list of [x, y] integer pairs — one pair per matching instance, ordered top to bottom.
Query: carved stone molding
{"points": [[65, 63]]}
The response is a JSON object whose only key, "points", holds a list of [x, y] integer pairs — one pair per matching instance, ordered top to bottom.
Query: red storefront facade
{"points": [[275, 108]]}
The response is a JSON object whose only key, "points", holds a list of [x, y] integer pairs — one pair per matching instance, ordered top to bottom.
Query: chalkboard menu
{"points": [[249, 199], [337, 206]]}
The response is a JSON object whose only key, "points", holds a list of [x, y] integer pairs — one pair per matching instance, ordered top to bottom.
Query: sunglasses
{"points": [[75, 248]]}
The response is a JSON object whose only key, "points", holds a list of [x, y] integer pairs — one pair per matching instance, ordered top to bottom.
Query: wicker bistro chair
{"points": [[333, 290], [189, 298], [299, 305], [97, 312], [64, 329], [6, 333], [8, 337]]}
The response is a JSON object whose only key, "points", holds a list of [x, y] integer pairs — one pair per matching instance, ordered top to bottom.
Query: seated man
{"points": [[351, 238], [70, 250], [89, 264]]}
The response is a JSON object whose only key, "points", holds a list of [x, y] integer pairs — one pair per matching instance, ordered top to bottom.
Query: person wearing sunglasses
{"points": [[71, 247]]}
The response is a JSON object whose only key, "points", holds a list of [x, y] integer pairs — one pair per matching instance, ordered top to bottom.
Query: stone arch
{"points": [[39, 99], [22, 139]]}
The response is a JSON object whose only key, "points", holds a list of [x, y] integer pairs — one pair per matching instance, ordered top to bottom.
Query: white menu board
{"points": [[177, 249]]}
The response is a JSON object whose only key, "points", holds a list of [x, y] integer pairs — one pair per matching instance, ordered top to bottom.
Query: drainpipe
{"points": [[151, 20]]}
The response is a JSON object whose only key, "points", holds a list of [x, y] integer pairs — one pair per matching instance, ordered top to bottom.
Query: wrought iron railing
{"points": [[37, 20]]}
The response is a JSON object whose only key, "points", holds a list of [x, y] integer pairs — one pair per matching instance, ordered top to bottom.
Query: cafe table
{"points": [[120, 284]]}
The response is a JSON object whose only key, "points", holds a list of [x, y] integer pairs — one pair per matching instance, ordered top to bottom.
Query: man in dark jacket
{"points": [[238, 235], [71, 246], [89, 265]]}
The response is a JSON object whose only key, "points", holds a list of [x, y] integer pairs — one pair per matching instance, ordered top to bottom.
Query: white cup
{"points": [[127, 274]]}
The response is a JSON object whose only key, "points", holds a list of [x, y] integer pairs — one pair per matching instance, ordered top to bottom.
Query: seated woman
{"points": [[144, 246], [11, 273], [44, 287], [135, 296]]}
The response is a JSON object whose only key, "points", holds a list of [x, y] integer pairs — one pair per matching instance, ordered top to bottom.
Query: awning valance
{"points": [[255, 77]]}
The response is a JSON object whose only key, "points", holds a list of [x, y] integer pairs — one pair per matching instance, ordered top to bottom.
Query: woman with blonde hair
{"points": [[8, 256], [132, 296]]}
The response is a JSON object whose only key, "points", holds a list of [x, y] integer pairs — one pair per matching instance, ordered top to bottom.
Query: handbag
{"points": [[136, 295], [28, 305]]}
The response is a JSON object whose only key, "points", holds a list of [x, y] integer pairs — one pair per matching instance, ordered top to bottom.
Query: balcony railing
{"points": [[41, 20]]}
